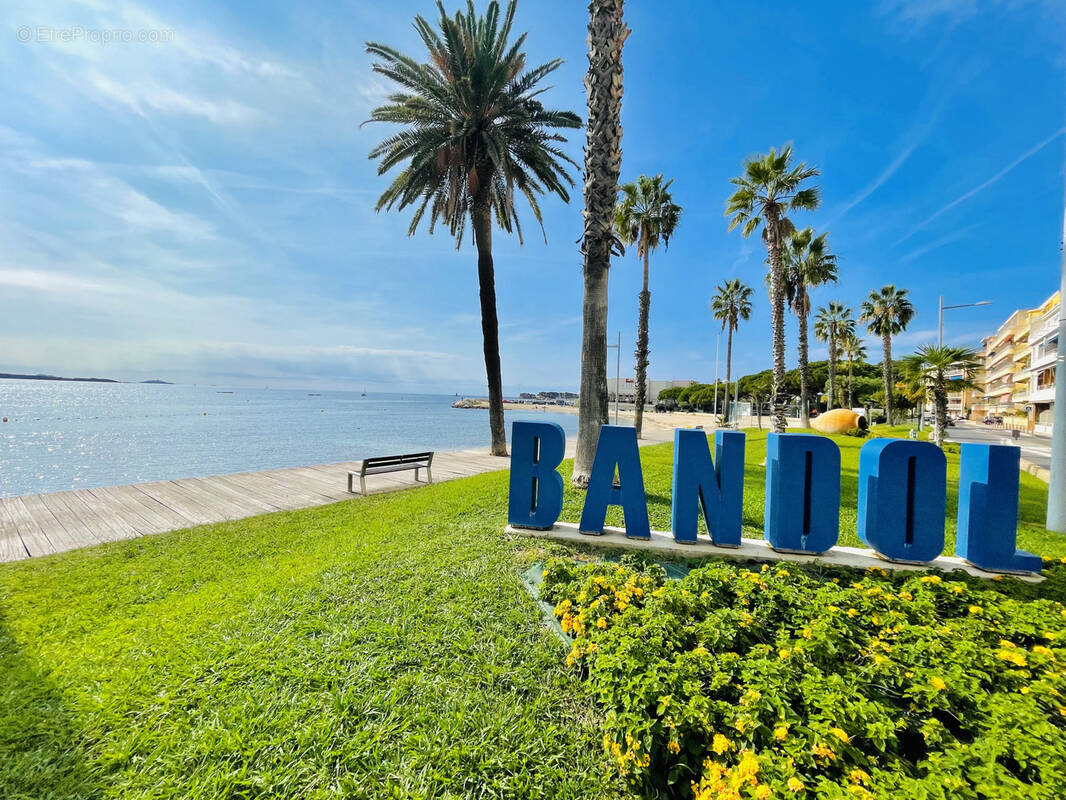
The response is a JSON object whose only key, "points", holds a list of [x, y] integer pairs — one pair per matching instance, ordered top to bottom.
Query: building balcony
{"points": [[1045, 328], [1043, 395]]}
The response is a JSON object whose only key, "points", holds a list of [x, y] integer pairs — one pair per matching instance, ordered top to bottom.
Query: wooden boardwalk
{"points": [[40, 524]]}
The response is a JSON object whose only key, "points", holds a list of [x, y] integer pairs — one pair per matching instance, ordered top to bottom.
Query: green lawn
{"points": [[375, 648]]}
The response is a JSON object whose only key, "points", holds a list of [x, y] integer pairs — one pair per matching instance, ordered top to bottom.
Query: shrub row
{"points": [[739, 682]]}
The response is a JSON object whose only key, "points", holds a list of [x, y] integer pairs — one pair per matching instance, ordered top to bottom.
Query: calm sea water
{"points": [[79, 435]]}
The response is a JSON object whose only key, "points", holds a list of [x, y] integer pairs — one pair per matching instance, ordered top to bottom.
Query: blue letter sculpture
{"points": [[617, 448], [718, 488], [536, 497], [902, 498], [988, 510], [802, 511]]}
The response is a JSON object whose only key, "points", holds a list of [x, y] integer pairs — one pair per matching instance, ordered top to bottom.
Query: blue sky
{"points": [[200, 209]]}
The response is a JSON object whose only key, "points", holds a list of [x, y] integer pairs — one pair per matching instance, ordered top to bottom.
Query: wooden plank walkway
{"points": [[40, 524]]}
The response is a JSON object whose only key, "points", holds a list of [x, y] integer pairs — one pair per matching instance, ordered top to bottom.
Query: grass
{"points": [[377, 648]]}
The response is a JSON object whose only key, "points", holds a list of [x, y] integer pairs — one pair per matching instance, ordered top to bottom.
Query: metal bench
{"points": [[381, 464]]}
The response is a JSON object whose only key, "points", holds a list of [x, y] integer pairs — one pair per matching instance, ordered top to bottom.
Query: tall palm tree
{"points": [[474, 134], [603, 159], [768, 190], [646, 216], [808, 263], [730, 304], [886, 313], [833, 323], [853, 349], [936, 371]]}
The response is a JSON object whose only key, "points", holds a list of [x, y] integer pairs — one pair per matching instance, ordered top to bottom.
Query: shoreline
{"points": [[658, 419]]}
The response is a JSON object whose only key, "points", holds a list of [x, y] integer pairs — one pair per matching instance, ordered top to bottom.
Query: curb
{"points": [[1042, 473]]}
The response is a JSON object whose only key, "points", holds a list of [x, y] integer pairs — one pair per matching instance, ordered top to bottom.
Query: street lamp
{"points": [[940, 317], [617, 369], [1056, 494]]}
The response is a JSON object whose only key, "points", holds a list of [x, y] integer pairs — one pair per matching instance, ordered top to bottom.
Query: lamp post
{"points": [[940, 316], [940, 340], [717, 342], [617, 370], [1056, 495]]}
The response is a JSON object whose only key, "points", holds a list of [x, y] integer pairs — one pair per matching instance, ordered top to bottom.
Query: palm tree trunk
{"points": [[603, 159], [777, 317], [490, 329], [642, 351], [728, 366], [804, 369], [886, 373], [851, 383], [831, 399], [940, 403]]}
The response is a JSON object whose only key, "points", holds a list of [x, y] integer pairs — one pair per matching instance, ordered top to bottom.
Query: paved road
{"points": [[1035, 449]]}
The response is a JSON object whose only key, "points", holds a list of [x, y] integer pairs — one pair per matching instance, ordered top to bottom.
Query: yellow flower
{"points": [[931, 579], [906, 596], [976, 609], [852, 612], [601, 622], [1044, 651], [784, 653], [1013, 656], [879, 659], [938, 683], [1024, 690], [780, 732], [840, 734], [720, 744], [673, 747], [822, 750], [858, 776], [795, 784], [763, 792]]}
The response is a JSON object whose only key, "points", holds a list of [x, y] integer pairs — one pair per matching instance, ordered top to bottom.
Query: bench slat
{"points": [[390, 461], [397, 468]]}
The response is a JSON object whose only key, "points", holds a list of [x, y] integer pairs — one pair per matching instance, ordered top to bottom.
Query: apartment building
{"points": [[1019, 369]]}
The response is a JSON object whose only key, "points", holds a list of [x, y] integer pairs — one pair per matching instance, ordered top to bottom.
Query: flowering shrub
{"points": [[776, 682]]}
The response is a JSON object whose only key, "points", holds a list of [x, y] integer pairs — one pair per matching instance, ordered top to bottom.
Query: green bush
{"points": [[785, 682]]}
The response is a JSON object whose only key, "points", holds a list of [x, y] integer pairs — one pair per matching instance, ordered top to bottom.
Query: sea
{"points": [[63, 435]]}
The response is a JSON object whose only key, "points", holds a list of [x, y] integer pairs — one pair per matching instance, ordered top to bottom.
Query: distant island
{"points": [[40, 377]]}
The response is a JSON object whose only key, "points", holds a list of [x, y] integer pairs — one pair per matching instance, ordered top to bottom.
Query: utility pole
{"points": [[717, 344], [617, 369], [1056, 494]]}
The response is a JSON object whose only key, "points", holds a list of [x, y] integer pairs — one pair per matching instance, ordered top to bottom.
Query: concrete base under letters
{"points": [[749, 550]]}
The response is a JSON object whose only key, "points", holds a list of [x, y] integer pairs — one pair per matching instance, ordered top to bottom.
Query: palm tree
{"points": [[474, 134], [603, 158], [770, 188], [646, 216], [808, 263], [731, 304], [886, 313], [833, 323], [853, 349], [935, 371]]}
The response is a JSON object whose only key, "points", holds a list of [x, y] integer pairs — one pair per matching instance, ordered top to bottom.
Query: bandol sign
{"points": [[901, 504]]}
